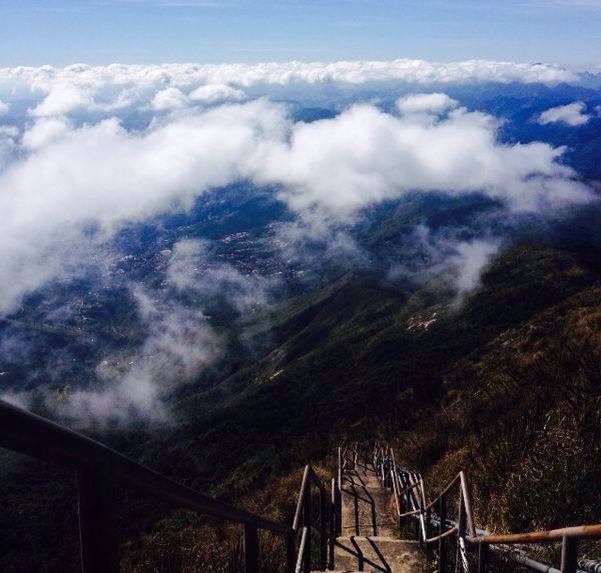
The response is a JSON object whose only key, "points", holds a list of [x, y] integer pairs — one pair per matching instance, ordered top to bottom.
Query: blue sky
{"points": [[60, 32]]}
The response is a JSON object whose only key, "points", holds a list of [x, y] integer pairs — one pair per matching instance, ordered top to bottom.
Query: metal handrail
{"points": [[99, 469], [409, 487], [303, 522], [577, 532], [467, 533], [302, 550]]}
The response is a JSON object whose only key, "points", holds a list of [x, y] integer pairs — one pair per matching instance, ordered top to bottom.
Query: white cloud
{"points": [[142, 77], [117, 88], [212, 93], [62, 99], [169, 99], [425, 103], [4, 107], [571, 114], [44, 131], [8, 144], [333, 168], [105, 177], [65, 180], [434, 255], [470, 260], [192, 269], [179, 344], [18, 399]]}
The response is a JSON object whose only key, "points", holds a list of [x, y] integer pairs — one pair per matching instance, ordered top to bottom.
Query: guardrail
{"points": [[99, 469], [410, 501], [325, 522]]}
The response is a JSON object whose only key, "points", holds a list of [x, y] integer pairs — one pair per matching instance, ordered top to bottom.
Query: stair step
{"points": [[367, 507], [378, 554]]}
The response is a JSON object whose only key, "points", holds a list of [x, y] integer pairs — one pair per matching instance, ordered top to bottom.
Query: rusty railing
{"points": [[434, 525]]}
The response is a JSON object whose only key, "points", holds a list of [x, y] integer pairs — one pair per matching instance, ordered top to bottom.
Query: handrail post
{"points": [[339, 475], [442, 512], [97, 520], [307, 523], [333, 524], [421, 526], [427, 529], [323, 541], [251, 548], [290, 551], [460, 553], [569, 554], [482, 557]]}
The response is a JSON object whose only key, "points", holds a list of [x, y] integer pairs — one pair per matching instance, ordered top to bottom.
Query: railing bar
{"points": [[33, 435], [409, 488], [445, 490], [301, 498], [468, 504], [409, 513], [579, 531], [447, 533], [301, 551], [569, 554]]}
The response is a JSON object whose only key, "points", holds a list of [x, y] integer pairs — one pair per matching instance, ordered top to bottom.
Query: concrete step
{"points": [[367, 507], [377, 554]]}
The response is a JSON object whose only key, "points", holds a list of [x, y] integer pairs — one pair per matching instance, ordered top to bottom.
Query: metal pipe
{"points": [[33, 435], [301, 498], [579, 532]]}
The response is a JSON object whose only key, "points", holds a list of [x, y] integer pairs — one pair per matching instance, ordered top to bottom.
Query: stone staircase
{"points": [[369, 531]]}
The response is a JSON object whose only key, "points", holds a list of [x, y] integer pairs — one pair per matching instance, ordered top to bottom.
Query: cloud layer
{"points": [[142, 77], [571, 114], [88, 151], [333, 168], [68, 188]]}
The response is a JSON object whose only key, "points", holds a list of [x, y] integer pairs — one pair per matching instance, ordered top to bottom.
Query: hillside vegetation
{"points": [[504, 384]]}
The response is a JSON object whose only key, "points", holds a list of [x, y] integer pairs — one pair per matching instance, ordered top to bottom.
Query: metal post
{"points": [[404, 505], [442, 512], [307, 519], [97, 520], [333, 524], [420, 529], [427, 529], [323, 538], [251, 548], [290, 551], [460, 552], [569, 554], [482, 557]]}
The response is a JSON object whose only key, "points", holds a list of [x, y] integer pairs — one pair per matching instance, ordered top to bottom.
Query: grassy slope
{"points": [[343, 362]]}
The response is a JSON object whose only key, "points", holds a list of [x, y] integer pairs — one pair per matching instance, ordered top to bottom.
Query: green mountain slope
{"points": [[496, 383]]}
